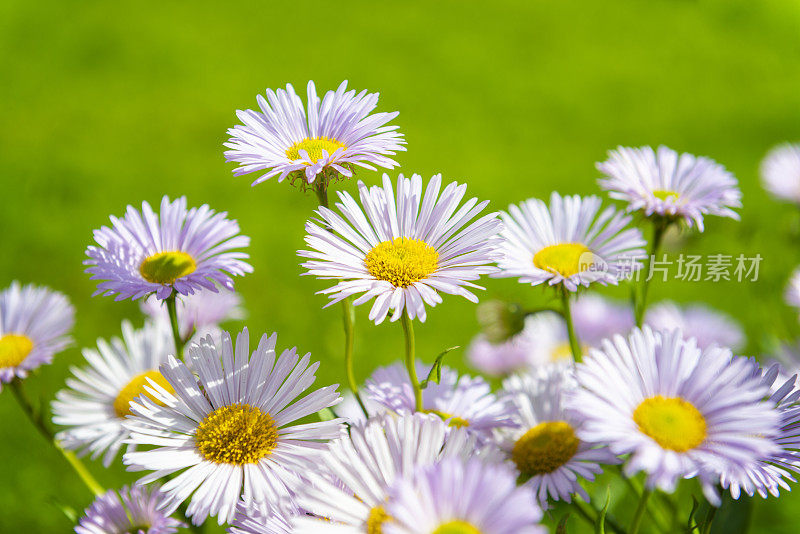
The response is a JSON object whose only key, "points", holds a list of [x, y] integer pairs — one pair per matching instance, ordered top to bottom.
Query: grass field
{"points": [[106, 104]]}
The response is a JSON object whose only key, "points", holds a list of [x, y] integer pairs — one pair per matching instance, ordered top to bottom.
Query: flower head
{"points": [[337, 134], [780, 172], [668, 184], [568, 243], [178, 249], [402, 251], [34, 325], [707, 326], [98, 400], [464, 401], [677, 410], [228, 431], [549, 457], [768, 474], [349, 493], [462, 497], [136, 510]]}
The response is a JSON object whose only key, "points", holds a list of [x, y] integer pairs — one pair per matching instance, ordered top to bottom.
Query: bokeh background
{"points": [[106, 104]]}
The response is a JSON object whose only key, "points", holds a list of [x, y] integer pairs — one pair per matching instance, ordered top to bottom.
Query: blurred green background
{"points": [[106, 104]]}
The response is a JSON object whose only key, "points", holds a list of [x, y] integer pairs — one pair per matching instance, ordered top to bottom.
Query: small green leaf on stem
{"points": [[435, 374], [600, 526]]}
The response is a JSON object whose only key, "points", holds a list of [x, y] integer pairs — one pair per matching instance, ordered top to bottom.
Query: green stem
{"points": [[321, 189], [659, 227], [172, 309], [348, 313], [348, 318], [408, 330], [574, 345], [41, 426], [639, 513], [708, 520]]}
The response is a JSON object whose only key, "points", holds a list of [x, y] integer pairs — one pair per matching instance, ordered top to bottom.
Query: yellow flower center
{"points": [[314, 147], [666, 194], [565, 258], [402, 261], [166, 267], [14, 348], [134, 388], [451, 419], [672, 422], [236, 434], [544, 448], [377, 517], [457, 527]]}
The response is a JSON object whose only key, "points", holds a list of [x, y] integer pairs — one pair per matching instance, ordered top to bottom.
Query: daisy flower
{"points": [[284, 139], [780, 172], [670, 185], [568, 243], [182, 250], [402, 251], [199, 314], [34, 325], [707, 326], [544, 340], [97, 401], [461, 401], [679, 411], [199, 430], [549, 457], [767, 475], [349, 493], [463, 497], [136, 510]]}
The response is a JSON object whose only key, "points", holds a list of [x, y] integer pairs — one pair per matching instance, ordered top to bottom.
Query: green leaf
{"points": [[435, 374], [326, 414], [692, 523], [562, 525], [600, 526]]}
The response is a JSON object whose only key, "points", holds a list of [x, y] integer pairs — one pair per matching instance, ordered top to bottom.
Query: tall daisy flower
{"points": [[338, 133], [780, 172], [666, 184], [570, 242], [178, 249], [402, 251], [199, 314], [34, 325], [707, 326], [97, 401], [464, 401], [677, 410], [228, 431], [549, 457], [767, 475], [349, 493], [463, 497], [136, 510]]}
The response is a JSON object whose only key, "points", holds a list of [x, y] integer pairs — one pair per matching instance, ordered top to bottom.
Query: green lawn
{"points": [[106, 104]]}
